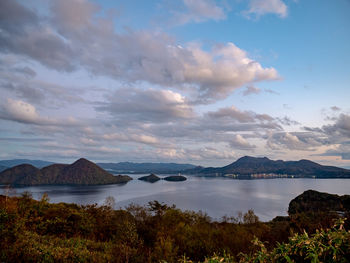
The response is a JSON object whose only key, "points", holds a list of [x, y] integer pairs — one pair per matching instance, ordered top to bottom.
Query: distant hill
{"points": [[37, 163], [247, 165], [2, 168], [160, 168], [81, 172]]}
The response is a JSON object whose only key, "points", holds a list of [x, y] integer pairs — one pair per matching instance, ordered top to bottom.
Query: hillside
{"points": [[247, 165], [53, 171], [81, 172], [84, 172], [24, 174], [39, 231]]}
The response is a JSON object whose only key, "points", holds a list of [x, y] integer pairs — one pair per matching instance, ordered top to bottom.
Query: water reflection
{"points": [[215, 196]]}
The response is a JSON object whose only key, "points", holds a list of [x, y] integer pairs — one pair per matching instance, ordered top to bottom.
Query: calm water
{"points": [[215, 196]]}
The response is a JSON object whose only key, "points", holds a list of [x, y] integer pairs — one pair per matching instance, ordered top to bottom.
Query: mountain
{"points": [[37, 163], [248, 165], [160, 168], [53, 171], [81, 172], [84, 172], [23, 174]]}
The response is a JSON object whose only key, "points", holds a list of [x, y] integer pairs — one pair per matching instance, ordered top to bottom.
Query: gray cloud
{"points": [[14, 17], [25, 33], [86, 40], [27, 71], [17, 80], [251, 90], [271, 91], [26, 92], [335, 108], [232, 113], [287, 121], [221, 126], [338, 132], [302, 141], [342, 150]]}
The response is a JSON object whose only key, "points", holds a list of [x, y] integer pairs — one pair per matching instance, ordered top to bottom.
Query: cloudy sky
{"points": [[195, 81]]}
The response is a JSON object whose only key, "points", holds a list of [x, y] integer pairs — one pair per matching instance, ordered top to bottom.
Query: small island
{"points": [[152, 178], [175, 178]]}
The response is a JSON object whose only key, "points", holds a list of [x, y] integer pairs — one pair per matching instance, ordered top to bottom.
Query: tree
{"points": [[110, 202], [250, 217]]}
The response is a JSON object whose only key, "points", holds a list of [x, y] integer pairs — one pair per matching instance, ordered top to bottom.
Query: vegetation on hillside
{"points": [[81, 172], [37, 231], [330, 245]]}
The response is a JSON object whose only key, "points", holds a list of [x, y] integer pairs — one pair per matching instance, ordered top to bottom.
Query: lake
{"points": [[215, 196]]}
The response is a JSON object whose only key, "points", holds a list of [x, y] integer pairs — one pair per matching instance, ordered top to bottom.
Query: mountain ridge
{"points": [[14, 162], [247, 166], [118, 167], [131, 167], [242, 167], [81, 172]]}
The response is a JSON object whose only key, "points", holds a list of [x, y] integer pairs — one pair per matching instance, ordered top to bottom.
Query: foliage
{"points": [[37, 231], [331, 245]]}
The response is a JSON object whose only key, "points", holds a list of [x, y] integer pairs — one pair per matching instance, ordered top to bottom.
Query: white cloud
{"points": [[263, 7], [199, 11], [88, 41], [224, 69], [249, 90], [149, 105], [20, 111], [23, 112], [127, 137], [88, 141], [302, 141], [239, 142], [197, 154]]}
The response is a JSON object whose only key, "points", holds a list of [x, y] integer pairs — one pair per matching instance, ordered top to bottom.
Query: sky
{"points": [[186, 81]]}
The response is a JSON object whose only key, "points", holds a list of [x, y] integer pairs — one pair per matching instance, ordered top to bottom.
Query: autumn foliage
{"points": [[38, 231]]}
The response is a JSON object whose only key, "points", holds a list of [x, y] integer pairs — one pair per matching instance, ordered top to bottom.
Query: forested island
{"points": [[81, 172], [152, 178], [37, 231]]}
